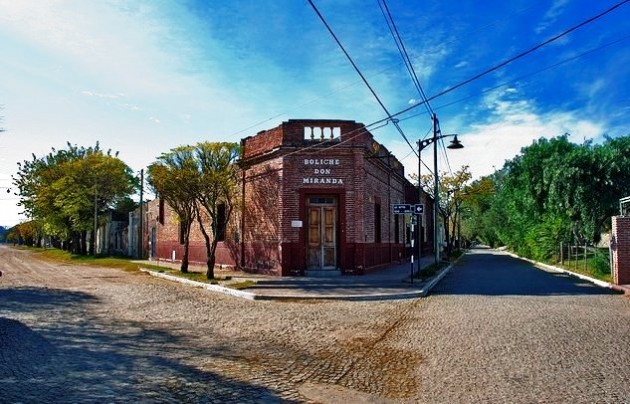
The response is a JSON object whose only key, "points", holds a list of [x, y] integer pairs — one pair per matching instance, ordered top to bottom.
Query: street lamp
{"points": [[422, 144]]}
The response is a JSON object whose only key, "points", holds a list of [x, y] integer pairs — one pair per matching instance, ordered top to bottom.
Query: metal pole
{"points": [[436, 197], [420, 216], [95, 218], [140, 222], [459, 227], [412, 239]]}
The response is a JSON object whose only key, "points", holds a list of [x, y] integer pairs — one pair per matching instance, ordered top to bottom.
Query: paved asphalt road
{"points": [[494, 330]]}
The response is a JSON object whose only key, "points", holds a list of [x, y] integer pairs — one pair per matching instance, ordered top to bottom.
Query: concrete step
{"points": [[323, 273]]}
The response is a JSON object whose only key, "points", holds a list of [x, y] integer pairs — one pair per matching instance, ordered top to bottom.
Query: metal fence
{"points": [[584, 258]]}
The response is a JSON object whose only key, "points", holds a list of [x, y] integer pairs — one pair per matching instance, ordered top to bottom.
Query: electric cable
{"points": [[391, 24], [513, 58], [356, 68], [532, 73]]}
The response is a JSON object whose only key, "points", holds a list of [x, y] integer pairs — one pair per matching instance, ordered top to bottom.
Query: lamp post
{"points": [[422, 144]]}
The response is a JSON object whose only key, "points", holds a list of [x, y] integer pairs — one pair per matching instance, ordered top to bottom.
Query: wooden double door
{"points": [[322, 233]]}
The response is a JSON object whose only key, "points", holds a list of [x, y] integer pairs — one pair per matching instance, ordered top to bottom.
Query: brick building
{"points": [[317, 199]]}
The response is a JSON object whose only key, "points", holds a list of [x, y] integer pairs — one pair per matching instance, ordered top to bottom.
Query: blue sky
{"points": [[142, 77]]}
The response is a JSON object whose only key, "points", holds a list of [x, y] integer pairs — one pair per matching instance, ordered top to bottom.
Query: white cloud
{"points": [[551, 16], [463, 63], [102, 95], [513, 123], [516, 123]]}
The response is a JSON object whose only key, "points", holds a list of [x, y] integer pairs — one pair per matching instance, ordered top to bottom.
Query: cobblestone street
{"points": [[494, 330]]}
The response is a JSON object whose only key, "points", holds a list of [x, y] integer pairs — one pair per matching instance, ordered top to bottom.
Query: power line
{"points": [[391, 24], [518, 56], [532, 73], [337, 90], [395, 122]]}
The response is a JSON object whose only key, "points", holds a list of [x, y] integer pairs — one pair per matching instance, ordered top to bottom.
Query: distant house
{"points": [[316, 199], [112, 237]]}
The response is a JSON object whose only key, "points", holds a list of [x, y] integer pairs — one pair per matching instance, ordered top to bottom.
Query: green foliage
{"points": [[175, 178], [195, 181], [218, 188], [61, 189], [553, 191], [451, 192], [601, 265]]}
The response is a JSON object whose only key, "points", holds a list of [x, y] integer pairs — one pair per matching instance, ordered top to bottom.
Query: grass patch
{"points": [[66, 257], [69, 258], [128, 264], [596, 265], [429, 271], [199, 276], [242, 285]]}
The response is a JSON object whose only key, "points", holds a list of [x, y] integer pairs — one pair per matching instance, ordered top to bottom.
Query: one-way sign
{"points": [[401, 208]]}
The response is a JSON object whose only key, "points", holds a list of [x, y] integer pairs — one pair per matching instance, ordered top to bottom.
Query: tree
{"points": [[175, 178], [218, 187], [65, 189], [554, 191], [451, 192], [475, 219]]}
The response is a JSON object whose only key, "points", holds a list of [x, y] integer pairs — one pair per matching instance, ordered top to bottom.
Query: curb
{"points": [[442, 274], [438, 278], [597, 282], [214, 288], [254, 296]]}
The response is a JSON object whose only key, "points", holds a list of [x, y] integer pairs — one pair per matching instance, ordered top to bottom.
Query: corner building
{"points": [[317, 200]]}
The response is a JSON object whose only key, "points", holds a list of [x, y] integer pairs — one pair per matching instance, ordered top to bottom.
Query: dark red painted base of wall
{"points": [[225, 254], [288, 259]]}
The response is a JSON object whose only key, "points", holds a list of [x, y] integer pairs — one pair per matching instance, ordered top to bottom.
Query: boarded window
{"points": [[161, 212], [377, 223], [221, 225]]}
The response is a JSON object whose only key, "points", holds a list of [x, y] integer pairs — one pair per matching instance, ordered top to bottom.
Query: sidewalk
{"points": [[392, 282]]}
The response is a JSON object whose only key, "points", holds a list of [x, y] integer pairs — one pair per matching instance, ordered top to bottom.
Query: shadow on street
{"points": [[490, 272], [73, 356]]}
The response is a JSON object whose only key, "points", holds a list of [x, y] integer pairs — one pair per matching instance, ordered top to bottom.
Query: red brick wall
{"points": [[280, 178], [277, 182], [262, 215], [167, 238], [621, 250]]}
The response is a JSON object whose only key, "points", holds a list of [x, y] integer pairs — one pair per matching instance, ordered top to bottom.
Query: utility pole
{"points": [[422, 144], [436, 196], [420, 216], [95, 219], [141, 221]]}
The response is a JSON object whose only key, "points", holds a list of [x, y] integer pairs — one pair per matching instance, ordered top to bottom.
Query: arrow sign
{"points": [[401, 208], [418, 209]]}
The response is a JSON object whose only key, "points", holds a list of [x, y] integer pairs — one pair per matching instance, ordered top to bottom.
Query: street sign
{"points": [[400, 208], [418, 209]]}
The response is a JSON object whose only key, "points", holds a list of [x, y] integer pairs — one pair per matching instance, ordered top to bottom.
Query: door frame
{"points": [[328, 203], [342, 244]]}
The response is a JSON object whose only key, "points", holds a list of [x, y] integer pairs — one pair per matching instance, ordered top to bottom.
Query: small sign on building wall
{"points": [[296, 223]]}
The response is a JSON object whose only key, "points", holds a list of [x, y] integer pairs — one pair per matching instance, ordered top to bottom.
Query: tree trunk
{"points": [[447, 237], [84, 243], [93, 243], [74, 248], [210, 249], [184, 265], [210, 266]]}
